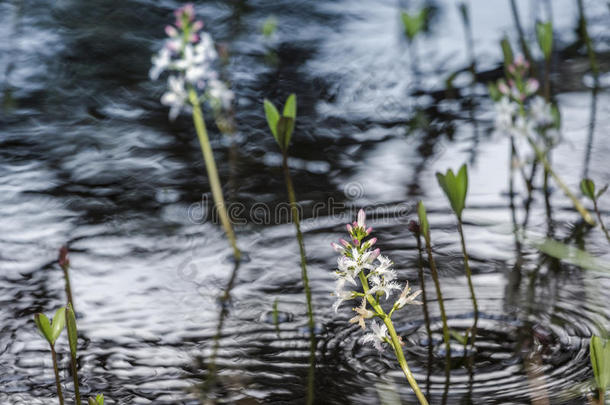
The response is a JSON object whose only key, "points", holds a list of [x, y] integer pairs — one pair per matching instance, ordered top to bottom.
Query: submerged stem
{"points": [[210, 165], [575, 201], [295, 216], [599, 218], [400, 356], [60, 394]]}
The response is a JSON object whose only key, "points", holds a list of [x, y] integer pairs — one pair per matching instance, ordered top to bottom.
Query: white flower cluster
{"points": [[190, 54], [518, 110], [358, 262]]}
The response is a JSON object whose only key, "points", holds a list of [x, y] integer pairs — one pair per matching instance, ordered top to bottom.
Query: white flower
{"points": [[204, 50], [161, 61], [220, 92], [176, 97], [505, 111], [540, 111], [523, 126], [341, 294], [405, 298], [363, 314], [379, 335]]}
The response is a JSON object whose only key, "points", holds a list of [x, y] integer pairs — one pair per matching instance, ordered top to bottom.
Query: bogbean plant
{"points": [[189, 55], [521, 113], [282, 127], [587, 187], [455, 188], [371, 279], [51, 330]]}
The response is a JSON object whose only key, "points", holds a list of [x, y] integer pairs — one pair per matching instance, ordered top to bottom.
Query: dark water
{"points": [[88, 157]]}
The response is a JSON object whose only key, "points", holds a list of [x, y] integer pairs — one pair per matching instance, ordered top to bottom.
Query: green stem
{"points": [[585, 35], [210, 165], [577, 204], [295, 216], [601, 223], [420, 265], [470, 285], [68, 287], [439, 294], [400, 356], [75, 378], [602, 393], [60, 394]]}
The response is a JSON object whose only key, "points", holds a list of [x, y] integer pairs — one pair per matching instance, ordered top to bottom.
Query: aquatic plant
{"points": [[414, 23], [269, 26], [544, 36], [189, 55], [522, 113], [282, 127], [587, 186], [456, 188], [425, 231], [64, 263], [360, 264], [51, 330], [73, 342], [599, 349], [98, 400]]}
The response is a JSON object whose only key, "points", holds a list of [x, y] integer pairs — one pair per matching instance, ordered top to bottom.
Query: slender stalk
{"points": [[585, 36], [210, 165], [575, 201], [295, 217], [599, 217], [420, 265], [470, 285], [68, 287], [439, 294], [395, 341], [75, 379], [60, 394], [602, 399]]}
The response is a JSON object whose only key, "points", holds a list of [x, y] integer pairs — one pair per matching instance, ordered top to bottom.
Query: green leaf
{"points": [[413, 24], [269, 26], [544, 34], [507, 50], [290, 108], [556, 116], [272, 117], [285, 126], [587, 186], [455, 188], [602, 191], [423, 220], [58, 324], [44, 326], [72, 331], [462, 339], [600, 361], [98, 400]]}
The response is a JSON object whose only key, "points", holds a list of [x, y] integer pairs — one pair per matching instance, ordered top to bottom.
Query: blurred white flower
{"points": [[161, 61], [221, 93], [176, 97], [505, 111], [540, 111], [523, 126], [406, 298], [379, 335]]}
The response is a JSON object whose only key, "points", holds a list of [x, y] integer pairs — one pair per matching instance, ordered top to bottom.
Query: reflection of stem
{"points": [[585, 36], [524, 48], [589, 148], [210, 165], [577, 204], [297, 223], [470, 285], [441, 304], [400, 356], [212, 369], [60, 394]]}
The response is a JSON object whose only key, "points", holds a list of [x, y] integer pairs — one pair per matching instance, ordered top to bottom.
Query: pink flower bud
{"points": [[197, 25], [171, 31], [194, 38], [511, 69], [532, 86], [503, 88], [361, 218], [349, 228], [369, 230], [344, 242], [356, 242], [371, 242], [337, 248], [375, 253], [63, 259]]}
